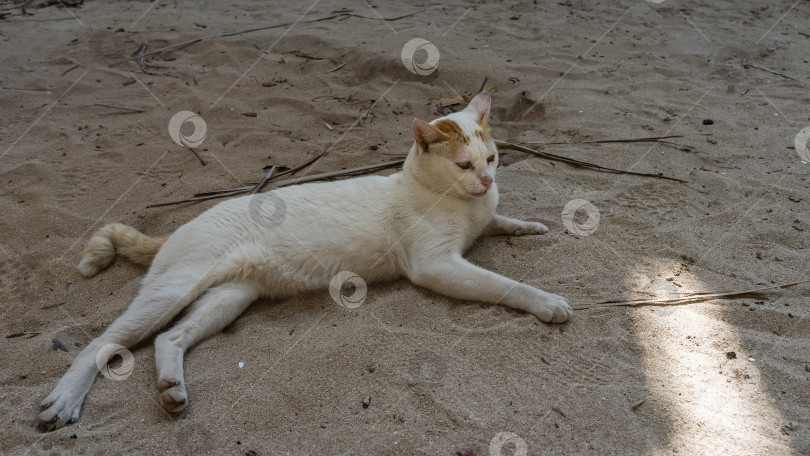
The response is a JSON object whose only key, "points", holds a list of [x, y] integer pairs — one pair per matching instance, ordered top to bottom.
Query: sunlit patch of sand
{"points": [[708, 384]]}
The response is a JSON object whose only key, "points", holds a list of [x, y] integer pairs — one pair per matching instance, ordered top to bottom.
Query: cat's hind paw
{"points": [[529, 228], [173, 396]]}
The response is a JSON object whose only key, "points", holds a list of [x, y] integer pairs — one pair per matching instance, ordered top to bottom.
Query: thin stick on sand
{"points": [[343, 15], [211, 37], [141, 49], [335, 68], [772, 72], [483, 84], [123, 108], [605, 141], [195, 154], [578, 163], [371, 168], [275, 176], [264, 180], [293, 181], [688, 298], [639, 402]]}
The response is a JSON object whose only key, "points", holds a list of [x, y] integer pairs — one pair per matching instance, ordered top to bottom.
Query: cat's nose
{"points": [[486, 181]]}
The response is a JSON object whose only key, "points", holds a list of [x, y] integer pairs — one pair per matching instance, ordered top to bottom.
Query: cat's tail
{"points": [[118, 238]]}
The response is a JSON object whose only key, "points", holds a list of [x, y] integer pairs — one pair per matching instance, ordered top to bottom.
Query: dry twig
{"points": [[342, 15], [141, 49], [335, 68], [771, 71], [131, 110], [623, 140], [195, 154], [578, 163], [276, 176], [264, 180], [294, 181], [284, 183], [687, 298], [26, 334], [639, 402]]}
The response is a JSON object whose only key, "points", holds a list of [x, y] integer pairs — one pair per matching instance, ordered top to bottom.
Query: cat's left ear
{"points": [[479, 107], [426, 134]]}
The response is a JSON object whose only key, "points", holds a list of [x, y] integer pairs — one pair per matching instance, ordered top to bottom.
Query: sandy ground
{"points": [[443, 377]]}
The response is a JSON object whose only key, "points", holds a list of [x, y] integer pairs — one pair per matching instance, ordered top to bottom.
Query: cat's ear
{"points": [[479, 107], [426, 134]]}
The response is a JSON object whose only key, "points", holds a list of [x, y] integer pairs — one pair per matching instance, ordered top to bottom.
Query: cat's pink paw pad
{"points": [[163, 385], [173, 395], [174, 400]]}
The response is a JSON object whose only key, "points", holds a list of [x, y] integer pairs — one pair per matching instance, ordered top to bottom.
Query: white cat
{"points": [[416, 223]]}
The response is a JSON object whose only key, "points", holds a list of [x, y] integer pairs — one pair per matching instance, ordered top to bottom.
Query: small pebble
{"points": [[708, 122], [58, 345]]}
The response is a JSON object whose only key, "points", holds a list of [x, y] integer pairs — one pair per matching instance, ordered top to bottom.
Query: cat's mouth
{"points": [[480, 194]]}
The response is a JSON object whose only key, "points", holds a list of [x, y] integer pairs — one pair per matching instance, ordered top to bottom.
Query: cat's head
{"points": [[455, 153]]}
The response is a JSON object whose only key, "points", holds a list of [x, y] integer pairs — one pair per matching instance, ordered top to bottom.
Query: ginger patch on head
{"points": [[484, 134], [457, 137]]}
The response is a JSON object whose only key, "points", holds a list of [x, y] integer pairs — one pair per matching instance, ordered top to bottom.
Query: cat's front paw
{"points": [[528, 228], [553, 309], [60, 408]]}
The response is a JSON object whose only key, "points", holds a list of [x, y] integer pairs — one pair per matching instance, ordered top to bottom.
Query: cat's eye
{"points": [[490, 159], [465, 165]]}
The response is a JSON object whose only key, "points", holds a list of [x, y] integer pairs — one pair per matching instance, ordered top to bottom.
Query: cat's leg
{"points": [[514, 227], [453, 276], [155, 305], [212, 312]]}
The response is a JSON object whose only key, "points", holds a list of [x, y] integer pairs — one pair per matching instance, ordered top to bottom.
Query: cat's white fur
{"points": [[416, 223]]}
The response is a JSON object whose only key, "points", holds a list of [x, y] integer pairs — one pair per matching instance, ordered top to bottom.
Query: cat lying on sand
{"points": [[415, 223]]}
